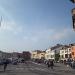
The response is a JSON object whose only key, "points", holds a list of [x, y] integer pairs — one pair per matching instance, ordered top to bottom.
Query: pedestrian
{"points": [[48, 63], [5, 64], [51, 64]]}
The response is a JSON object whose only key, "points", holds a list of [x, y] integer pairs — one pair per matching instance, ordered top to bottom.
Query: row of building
{"points": [[58, 52], [15, 55]]}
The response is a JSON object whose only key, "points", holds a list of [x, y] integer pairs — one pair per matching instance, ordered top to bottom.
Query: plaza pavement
{"points": [[32, 68]]}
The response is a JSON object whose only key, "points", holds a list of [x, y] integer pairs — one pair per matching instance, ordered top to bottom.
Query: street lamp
{"points": [[73, 1], [73, 17]]}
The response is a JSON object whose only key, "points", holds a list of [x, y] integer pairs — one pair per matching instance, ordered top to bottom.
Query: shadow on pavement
{"points": [[1, 71]]}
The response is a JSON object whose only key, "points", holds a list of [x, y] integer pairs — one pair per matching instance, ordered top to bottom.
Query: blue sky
{"points": [[35, 24]]}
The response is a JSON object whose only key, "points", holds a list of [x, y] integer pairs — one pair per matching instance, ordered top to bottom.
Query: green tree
{"points": [[57, 56]]}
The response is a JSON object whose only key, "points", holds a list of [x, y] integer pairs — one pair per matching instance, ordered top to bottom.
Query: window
{"points": [[69, 49], [62, 51], [66, 51], [72, 53], [66, 55], [48, 56], [52, 56], [62, 56]]}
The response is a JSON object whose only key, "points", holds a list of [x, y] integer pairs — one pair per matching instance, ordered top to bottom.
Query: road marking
{"points": [[38, 64], [19, 68], [31, 68], [39, 69]]}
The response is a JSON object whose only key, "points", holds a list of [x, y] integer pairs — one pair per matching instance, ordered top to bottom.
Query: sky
{"points": [[35, 24]]}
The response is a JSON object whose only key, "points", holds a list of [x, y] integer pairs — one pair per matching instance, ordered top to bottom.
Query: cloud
{"points": [[5, 14], [8, 23], [10, 27], [50, 34], [62, 34], [58, 35], [31, 37], [34, 39]]}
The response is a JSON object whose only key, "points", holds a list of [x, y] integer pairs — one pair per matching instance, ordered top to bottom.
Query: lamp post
{"points": [[73, 1], [73, 15], [73, 18]]}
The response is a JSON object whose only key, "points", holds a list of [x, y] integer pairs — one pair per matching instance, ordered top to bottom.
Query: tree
{"points": [[57, 56]]}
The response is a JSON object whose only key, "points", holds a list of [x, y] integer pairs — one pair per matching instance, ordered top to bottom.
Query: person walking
{"points": [[48, 63], [5, 64], [51, 64]]}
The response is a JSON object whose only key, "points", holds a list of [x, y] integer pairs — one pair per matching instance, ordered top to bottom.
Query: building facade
{"points": [[73, 52], [65, 53], [35, 54], [38, 54], [50, 54], [4, 55], [26, 55], [41, 55]]}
